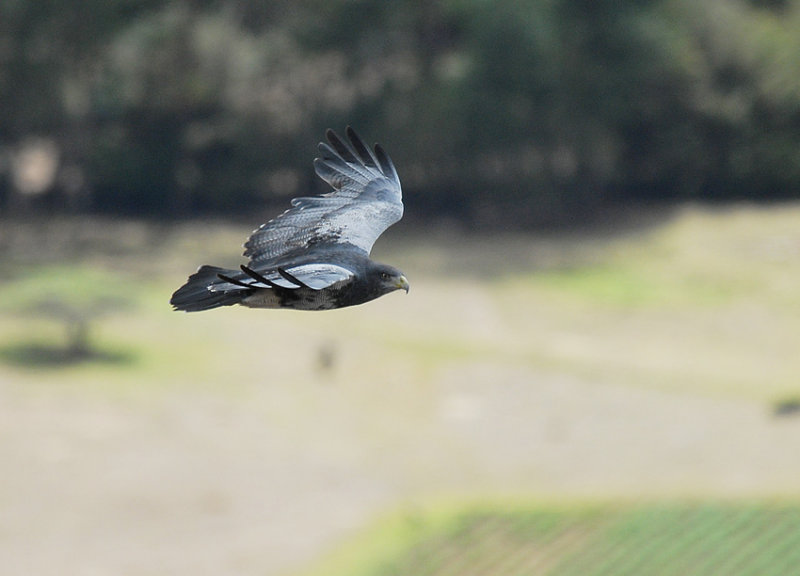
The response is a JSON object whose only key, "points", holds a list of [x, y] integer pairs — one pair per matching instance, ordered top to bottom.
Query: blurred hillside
{"points": [[558, 108], [652, 372]]}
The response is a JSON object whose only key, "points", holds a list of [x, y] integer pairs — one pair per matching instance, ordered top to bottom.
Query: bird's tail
{"points": [[205, 290]]}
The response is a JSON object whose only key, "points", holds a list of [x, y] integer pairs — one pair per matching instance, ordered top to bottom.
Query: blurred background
{"points": [[596, 369]]}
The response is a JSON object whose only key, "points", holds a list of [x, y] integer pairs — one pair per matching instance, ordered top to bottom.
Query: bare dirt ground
{"points": [[228, 447], [209, 483]]}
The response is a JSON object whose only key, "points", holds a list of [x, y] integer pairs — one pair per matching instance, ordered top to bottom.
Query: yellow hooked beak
{"points": [[402, 283]]}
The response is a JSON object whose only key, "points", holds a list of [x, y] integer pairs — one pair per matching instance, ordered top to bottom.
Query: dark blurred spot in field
{"points": [[52, 356], [787, 407]]}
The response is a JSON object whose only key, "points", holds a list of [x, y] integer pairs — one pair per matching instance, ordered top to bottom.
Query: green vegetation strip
{"points": [[680, 539]]}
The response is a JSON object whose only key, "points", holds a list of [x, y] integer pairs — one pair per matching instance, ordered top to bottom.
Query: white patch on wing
{"points": [[316, 276], [319, 276], [278, 280]]}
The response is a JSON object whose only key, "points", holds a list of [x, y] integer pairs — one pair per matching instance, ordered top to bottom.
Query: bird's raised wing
{"points": [[366, 200]]}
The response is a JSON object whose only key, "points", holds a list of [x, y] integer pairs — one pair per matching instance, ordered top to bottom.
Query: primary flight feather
{"points": [[315, 256]]}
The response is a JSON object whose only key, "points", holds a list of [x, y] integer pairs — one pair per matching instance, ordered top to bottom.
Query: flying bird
{"points": [[315, 256]]}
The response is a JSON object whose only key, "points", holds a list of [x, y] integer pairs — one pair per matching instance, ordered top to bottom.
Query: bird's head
{"points": [[389, 279]]}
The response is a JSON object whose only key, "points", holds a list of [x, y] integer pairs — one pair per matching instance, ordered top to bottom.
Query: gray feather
{"points": [[366, 199]]}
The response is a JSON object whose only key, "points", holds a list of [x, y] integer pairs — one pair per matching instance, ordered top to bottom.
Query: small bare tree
{"points": [[73, 296], [77, 318]]}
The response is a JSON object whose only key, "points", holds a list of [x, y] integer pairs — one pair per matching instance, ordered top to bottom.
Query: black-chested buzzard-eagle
{"points": [[315, 256]]}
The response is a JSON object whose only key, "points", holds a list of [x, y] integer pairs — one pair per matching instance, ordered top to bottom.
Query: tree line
{"points": [[521, 111]]}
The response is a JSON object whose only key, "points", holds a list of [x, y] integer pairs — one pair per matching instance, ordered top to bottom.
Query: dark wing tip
{"points": [[339, 147], [351, 151], [364, 153], [387, 166], [257, 277], [291, 278]]}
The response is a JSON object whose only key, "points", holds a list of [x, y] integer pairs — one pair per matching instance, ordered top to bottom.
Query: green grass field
{"points": [[637, 366], [668, 539]]}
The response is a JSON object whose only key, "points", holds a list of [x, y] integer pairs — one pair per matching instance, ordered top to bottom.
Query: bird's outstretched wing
{"points": [[366, 199], [313, 276]]}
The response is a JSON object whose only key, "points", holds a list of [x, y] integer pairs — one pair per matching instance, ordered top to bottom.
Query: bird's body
{"points": [[315, 256]]}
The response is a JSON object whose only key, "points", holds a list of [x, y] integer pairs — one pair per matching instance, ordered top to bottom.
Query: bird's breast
{"points": [[297, 299]]}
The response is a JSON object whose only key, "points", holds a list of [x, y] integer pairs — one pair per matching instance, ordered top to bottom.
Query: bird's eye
{"points": [[384, 276]]}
